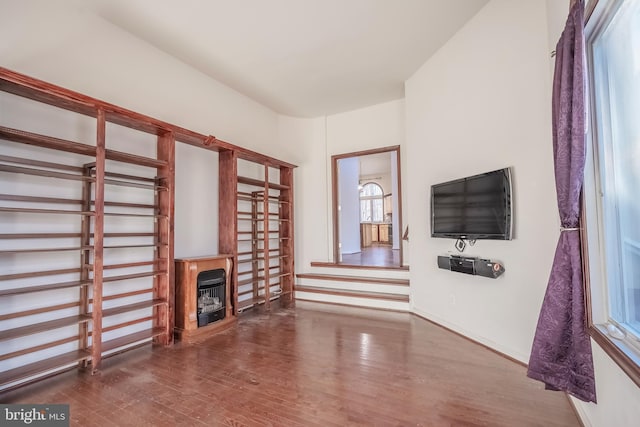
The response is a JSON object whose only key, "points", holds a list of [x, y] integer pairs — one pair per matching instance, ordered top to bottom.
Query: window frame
{"points": [[370, 200], [624, 354]]}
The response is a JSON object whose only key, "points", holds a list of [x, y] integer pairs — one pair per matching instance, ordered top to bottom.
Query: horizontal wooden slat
{"points": [[29, 138], [134, 159], [40, 163], [45, 173], [130, 177], [259, 183], [133, 184], [36, 199], [129, 205], [47, 211], [134, 215], [39, 235], [113, 235], [152, 245], [36, 250], [127, 265], [39, 273], [132, 276], [358, 279], [250, 280], [41, 288], [355, 294], [125, 295], [131, 307], [39, 310], [124, 324], [42, 327], [131, 339], [39, 347], [32, 369]]}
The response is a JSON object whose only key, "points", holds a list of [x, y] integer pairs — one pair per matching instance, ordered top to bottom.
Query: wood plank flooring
{"points": [[378, 255], [309, 365]]}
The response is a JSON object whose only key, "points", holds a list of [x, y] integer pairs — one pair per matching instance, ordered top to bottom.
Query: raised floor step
{"points": [[357, 267], [358, 279], [351, 293]]}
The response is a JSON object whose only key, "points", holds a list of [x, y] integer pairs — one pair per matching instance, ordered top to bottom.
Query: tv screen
{"points": [[476, 207]]}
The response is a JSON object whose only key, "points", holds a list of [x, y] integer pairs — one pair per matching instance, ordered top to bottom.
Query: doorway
{"points": [[367, 208]]}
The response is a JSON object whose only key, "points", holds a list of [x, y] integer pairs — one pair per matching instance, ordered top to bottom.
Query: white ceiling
{"points": [[303, 58], [373, 164]]}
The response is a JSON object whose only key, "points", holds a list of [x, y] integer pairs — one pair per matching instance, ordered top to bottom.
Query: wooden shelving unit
{"points": [[263, 228], [105, 287], [57, 335]]}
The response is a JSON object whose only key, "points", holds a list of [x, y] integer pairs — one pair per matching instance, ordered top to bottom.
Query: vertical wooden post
{"points": [[228, 215], [286, 233], [265, 237], [98, 243], [85, 259], [255, 268], [164, 284]]}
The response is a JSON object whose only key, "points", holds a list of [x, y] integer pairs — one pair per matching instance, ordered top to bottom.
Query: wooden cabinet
{"points": [[374, 233], [383, 233]]}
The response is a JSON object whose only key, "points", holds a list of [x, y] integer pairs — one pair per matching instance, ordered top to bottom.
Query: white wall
{"points": [[61, 44], [483, 103], [377, 126], [310, 190], [395, 202], [349, 205]]}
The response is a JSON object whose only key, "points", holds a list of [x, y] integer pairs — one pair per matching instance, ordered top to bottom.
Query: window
{"points": [[612, 175], [371, 196]]}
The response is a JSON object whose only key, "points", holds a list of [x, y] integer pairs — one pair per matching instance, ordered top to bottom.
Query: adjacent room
{"points": [[311, 213]]}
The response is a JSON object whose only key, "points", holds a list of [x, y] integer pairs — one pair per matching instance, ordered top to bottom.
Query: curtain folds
{"points": [[561, 353]]}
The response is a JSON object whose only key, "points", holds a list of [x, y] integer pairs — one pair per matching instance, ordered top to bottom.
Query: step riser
{"points": [[382, 274], [356, 279], [355, 286], [355, 301]]}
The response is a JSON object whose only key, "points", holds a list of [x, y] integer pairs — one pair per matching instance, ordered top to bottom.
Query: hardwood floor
{"points": [[375, 255], [312, 365]]}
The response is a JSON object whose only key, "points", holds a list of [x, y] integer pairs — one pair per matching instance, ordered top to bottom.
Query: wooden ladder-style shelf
{"points": [[262, 244], [104, 287]]}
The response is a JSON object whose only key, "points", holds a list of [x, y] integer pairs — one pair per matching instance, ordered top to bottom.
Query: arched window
{"points": [[371, 196]]}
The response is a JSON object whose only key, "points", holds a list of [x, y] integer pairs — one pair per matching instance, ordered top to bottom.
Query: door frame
{"points": [[334, 195]]}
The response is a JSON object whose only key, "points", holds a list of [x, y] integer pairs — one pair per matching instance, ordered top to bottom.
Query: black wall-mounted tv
{"points": [[475, 207]]}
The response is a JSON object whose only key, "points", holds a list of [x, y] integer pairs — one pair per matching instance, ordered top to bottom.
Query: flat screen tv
{"points": [[475, 207]]}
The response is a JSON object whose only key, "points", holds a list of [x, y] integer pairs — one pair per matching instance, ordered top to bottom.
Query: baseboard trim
{"points": [[498, 352], [580, 414]]}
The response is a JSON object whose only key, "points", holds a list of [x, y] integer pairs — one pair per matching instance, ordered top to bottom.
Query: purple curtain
{"points": [[561, 353]]}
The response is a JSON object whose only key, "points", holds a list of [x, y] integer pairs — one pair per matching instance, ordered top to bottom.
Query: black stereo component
{"points": [[470, 265]]}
